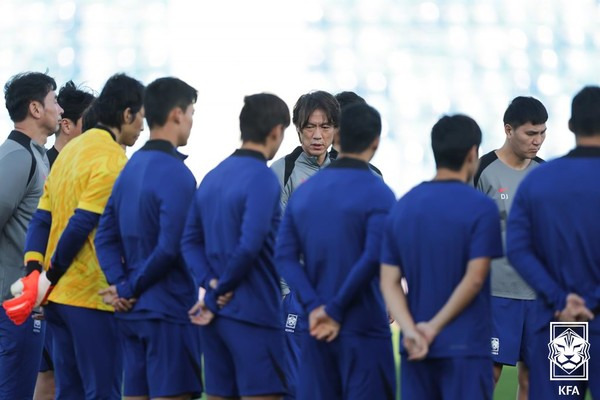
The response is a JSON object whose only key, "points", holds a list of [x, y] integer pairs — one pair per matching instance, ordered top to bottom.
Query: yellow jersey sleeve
{"points": [[100, 184]]}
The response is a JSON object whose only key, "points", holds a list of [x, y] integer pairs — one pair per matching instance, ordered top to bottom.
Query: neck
{"points": [[31, 130], [114, 130], [164, 134], [61, 141], [588, 141], [261, 148], [364, 156], [508, 157], [321, 158], [445, 174]]}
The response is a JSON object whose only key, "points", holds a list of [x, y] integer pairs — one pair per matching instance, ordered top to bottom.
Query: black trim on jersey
{"points": [[25, 141], [163, 145], [584, 151], [250, 153], [52, 154], [333, 155], [539, 160], [349, 162], [484, 162], [290, 163]]}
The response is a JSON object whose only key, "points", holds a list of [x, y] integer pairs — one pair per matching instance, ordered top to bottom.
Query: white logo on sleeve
{"points": [[290, 323], [495, 346], [569, 351]]}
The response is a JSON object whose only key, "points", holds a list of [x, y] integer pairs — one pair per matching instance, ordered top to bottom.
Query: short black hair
{"points": [[22, 89], [119, 93], [165, 94], [347, 98], [74, 101], [310, 102], [522, 110], [585, 112], [260, 114], [360, 125], [451, 139]]}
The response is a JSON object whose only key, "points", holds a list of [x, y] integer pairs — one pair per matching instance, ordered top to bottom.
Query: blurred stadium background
{"points": [[413, 60]]}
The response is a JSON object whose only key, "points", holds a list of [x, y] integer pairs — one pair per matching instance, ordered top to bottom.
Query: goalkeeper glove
{"points": [[30, 292]]}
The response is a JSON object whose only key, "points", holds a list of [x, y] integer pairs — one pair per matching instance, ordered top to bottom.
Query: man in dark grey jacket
{"points": [[32, 105]]}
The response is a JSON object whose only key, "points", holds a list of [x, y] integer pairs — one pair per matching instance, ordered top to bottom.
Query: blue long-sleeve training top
{"points": [[334, 223], [553, 230], [230, 236], [138, 237]]}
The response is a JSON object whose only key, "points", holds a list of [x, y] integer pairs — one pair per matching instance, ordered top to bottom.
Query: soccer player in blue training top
{"points": [[31, 103], [498, 176], [442, 236], [60, 240], [228, 241], [552, 241], [138, 247], [348, 354]]}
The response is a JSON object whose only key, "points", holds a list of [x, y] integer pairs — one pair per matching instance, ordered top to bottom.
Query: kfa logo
{"points": [[503, 193], [290, 323], [37, 326], [495, 346], [569, 351]]}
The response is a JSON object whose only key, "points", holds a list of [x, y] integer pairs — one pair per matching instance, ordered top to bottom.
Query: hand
{"points": [[32, 291], [111, 297], [223, 299], [575, 310], [200, 314], [322, 326], [428, 331], [415, 344]]}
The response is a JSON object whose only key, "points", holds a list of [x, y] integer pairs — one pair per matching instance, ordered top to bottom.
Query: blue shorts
{"points": [[295, 325], [512, 329], [20, 353], [86, 353], [160, 358], [242, 359], [46, 364], [349, 368], [456, 378], [540, 385]]}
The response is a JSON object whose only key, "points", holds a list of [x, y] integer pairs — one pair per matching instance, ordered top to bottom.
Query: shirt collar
{"points": [[165, 146], [584, 151], [250, 153], [349, 162]]}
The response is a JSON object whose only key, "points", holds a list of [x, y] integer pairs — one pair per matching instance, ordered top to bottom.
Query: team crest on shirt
{"points": [[290, 323], [495, 346], [569, 351]]}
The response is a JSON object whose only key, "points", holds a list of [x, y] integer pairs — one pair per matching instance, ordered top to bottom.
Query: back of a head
{"points": [[24, 88], [119, 93], [165, 94], [348, 98], [74, 101], [310, 102], [522, 110], [585, 112], [260, 114], [89, 117], [360, 125], [451, 139]]}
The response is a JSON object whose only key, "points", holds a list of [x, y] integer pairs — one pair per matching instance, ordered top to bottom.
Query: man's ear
{"points": [[35, 109], [176, 115], [127, 116], [508, 129], [375, 144]]}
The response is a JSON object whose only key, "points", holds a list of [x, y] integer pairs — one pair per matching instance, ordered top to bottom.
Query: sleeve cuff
{"points": [[124, 290], [210, 301], [335, 312]]}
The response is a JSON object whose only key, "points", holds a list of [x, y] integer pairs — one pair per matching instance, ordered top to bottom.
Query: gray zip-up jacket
{"points": [[305, 167], [21, 186]]}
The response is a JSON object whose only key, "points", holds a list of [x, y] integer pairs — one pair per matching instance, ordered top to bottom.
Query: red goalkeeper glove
{"points": [[30, 292]]}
